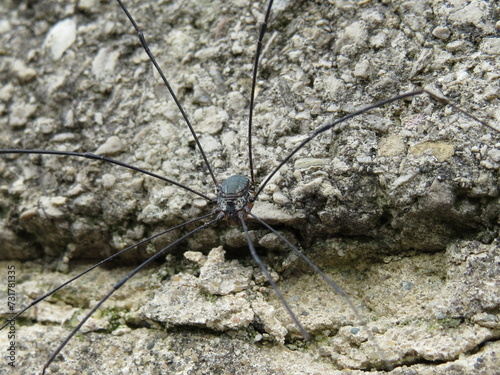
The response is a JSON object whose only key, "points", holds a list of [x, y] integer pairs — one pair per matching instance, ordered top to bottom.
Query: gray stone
{"points": [[399, 206]]}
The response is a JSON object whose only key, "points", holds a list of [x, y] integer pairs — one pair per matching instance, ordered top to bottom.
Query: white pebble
{"points": [[60, 37], [112, 146]]}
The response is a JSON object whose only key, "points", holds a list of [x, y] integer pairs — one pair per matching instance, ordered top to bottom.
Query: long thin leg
{"points": [[263, 28], [140, 34], [330, 125], [89, 155], [119, 285], [332, 285], [277, 290], [41, 298]]}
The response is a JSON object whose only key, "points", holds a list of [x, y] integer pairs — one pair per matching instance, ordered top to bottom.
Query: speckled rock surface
{"points": [[399, 206]]}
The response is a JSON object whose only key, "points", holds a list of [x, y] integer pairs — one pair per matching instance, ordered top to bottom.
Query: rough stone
{"points": [[411, 237]]}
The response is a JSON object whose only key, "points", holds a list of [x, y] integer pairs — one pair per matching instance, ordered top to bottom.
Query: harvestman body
{"points": [[235, 197]]}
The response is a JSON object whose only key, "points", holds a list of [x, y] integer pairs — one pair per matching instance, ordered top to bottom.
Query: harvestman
{"points": [[235, 195]]}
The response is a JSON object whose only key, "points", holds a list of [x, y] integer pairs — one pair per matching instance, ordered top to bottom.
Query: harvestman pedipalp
{"points": [[320, 130]]}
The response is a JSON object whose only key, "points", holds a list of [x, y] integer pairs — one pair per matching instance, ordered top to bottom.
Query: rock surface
{"points": [[399, 206]]}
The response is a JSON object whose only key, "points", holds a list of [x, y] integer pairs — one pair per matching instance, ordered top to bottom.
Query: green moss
{"points": [[208, 296], [114, 318], [449, 322]]}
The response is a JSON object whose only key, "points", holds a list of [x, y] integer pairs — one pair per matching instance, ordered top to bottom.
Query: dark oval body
{"points": [[234, 195]]}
